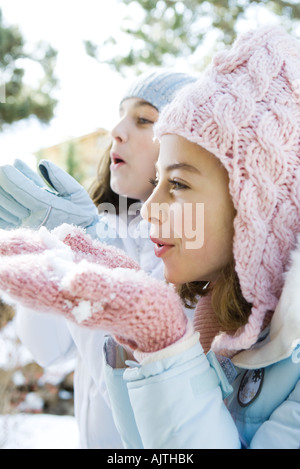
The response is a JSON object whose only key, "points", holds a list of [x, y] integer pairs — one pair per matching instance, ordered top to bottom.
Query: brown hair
{"points": [[100, 190], [229, 305]]}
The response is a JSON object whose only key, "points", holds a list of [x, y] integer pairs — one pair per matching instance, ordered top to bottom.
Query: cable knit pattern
{"points": [[246, 110], [80, 282], [205, 322]]}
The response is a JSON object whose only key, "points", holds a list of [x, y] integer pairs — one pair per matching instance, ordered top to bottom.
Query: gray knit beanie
{"points": [[157, 87]]}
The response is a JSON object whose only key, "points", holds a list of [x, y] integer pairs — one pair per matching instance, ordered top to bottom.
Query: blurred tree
{"points": [[168, 29], [18, 99], [72, 162]]}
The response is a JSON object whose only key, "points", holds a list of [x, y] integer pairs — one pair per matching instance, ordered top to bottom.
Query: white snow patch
{"points": [[64, 230], [50, 240], [61, 262], [82, 311], [32, 402], [27, 431], [33, 431]]}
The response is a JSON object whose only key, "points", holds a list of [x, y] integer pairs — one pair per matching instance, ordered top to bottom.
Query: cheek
{"points": [[143, 142], [144, 167], [176, 220], [187, 221], [218, 239], [204, 250], [183, 266]]}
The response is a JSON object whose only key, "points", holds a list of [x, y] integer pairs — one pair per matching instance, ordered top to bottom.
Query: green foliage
{"points": [[177, 29], [21, 100], [72, 162]]}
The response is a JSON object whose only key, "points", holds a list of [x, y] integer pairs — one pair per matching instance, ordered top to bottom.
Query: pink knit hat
{"points": [[245, 109]]}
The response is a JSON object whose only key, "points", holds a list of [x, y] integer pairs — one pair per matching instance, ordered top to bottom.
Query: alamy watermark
{"points": [[184, 221]]}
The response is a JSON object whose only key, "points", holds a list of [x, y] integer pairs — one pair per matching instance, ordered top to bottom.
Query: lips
{"points": [[116, 161], [161, 247]]}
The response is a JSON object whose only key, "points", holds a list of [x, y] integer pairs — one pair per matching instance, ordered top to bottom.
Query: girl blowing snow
{"points": [[229, 141]]}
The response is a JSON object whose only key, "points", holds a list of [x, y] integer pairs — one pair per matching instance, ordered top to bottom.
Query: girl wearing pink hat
{"points": [[229, 144]]}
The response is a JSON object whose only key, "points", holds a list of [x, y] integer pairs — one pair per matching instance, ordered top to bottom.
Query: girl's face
{"points": [[133, 152], [190, 211]]}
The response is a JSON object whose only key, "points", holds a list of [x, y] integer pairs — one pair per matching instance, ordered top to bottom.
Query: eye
{"points": [[144, 121], [153, 182], [176, 185]]}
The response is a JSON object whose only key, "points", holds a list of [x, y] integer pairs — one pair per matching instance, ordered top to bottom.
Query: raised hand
{"points": [[27, 200], [62, 238], [140, 311]]}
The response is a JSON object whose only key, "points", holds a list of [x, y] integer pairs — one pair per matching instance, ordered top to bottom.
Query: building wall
{"points": [[79, 156]]}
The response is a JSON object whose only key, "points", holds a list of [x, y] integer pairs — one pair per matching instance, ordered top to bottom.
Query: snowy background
{"points": [[25, 425], [38, 432]]}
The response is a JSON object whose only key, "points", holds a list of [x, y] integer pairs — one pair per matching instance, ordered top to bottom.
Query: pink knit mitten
{"points": [[22, 241], [141, 312]]}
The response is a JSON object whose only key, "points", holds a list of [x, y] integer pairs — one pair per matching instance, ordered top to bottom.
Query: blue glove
{"points": [[27, 201]]}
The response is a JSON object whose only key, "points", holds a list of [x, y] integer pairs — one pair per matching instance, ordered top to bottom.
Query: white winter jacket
{"points": [[179, 398]]}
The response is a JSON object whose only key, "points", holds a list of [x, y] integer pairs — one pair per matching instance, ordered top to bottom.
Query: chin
{"points": [[115, 187], [119, 190], [177, 276], [173, 277]]}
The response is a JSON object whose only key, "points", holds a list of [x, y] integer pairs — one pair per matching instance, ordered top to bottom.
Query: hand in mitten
{"points": [[28, 200], [64, 237], [141, 312]]}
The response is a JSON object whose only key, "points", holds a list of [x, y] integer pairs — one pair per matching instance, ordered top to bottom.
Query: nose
{"points": [[119, 132], [154, 210]]}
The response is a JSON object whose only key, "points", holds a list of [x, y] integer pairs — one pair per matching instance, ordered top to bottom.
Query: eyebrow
{"points": [[140, 103], [143, 103], [184, 166]]}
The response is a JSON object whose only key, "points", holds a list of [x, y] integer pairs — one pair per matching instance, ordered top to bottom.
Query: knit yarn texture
{"points": [[158, 87], [245, 109], [94, 285], [205, 322]]}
